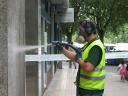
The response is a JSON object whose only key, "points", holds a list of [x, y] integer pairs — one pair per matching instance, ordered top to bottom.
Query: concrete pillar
{"points": [[16, 39], [3, 49], [12, 70]]}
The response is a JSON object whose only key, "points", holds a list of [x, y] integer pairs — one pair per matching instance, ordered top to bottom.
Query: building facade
{"points": [[27, 27]]}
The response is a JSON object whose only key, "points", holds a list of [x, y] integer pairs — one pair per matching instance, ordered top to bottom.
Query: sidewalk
{"points": [[62, 83], [114, 86]]}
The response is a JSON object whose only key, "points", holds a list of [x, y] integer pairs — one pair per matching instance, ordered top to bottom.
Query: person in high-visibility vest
{"points": [[91, 73]]}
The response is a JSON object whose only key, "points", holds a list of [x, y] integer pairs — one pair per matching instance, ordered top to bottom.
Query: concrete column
{"points": [[3, 49], [16, 63], [12, 70]]}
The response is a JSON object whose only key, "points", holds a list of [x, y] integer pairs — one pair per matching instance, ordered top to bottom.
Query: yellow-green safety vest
{"points": [[93, 80]]}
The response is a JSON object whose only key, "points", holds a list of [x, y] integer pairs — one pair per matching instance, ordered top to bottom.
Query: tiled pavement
{"points": [[62, 84]]}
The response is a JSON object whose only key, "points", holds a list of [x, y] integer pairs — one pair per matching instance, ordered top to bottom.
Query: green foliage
{"points": [[108, 15], [74, 36], [121, 36]]}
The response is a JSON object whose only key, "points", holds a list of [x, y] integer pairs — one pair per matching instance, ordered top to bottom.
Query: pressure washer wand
{"points": [[66, 45]]}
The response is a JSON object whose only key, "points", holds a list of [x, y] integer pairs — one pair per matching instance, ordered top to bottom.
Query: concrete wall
{"points": [[20, 25], [16, 36], [3, 48], [12, 70]]}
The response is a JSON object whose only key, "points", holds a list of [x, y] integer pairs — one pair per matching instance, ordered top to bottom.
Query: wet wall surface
{"points": [[3, 49]]}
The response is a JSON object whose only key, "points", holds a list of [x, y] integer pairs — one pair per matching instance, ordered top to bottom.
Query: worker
{"points": [[91, 73]]}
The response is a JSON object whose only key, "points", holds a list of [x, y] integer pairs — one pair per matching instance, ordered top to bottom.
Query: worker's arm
{"points": [[70, 54], [94, 57], [88, 67]]}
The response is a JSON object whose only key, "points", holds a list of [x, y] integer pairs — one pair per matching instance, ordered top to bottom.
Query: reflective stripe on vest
{"points": [[99, 69], [92, 78]]}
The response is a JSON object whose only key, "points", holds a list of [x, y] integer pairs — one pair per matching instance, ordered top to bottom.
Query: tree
{"points": [[107, 14], [69, 28], [122, 36]]}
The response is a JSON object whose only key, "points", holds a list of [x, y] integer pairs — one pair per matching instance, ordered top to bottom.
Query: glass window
{"points": [[48, 30]]}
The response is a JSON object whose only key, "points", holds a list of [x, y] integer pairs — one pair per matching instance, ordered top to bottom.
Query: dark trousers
{"points": [[82, 92]]}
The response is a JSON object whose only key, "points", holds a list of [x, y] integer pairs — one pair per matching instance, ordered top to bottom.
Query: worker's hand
{"points": [[59, 46], [78, 56]]}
